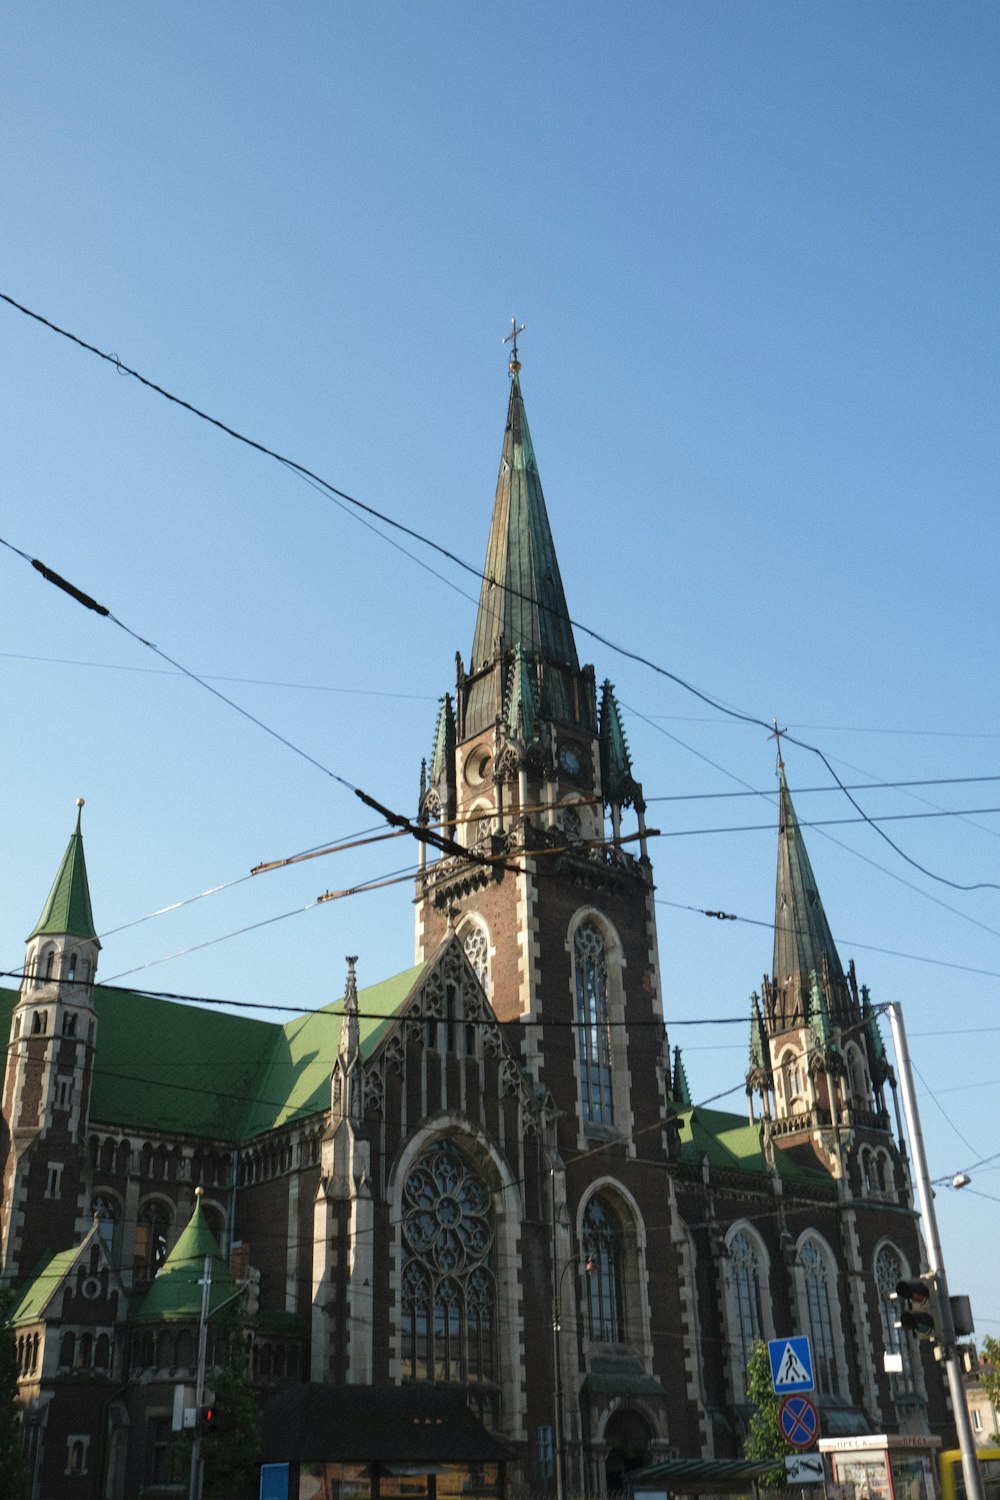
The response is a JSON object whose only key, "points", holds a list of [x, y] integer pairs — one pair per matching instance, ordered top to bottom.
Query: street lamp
{"points": [[557, 1422]]}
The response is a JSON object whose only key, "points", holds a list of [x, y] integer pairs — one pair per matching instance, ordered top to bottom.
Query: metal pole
{"points": [[935, 1259], [557, 1446], [194, 1483]]}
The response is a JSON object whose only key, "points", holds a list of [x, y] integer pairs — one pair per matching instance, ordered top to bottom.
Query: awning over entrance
{"points": [[361, 1424], [698, 1476]]}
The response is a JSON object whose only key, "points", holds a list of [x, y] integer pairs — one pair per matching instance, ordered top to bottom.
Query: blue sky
{"points": [[756, 250]]}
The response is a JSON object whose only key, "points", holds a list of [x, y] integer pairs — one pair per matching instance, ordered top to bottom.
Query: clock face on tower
{"points": [[569, 760]]}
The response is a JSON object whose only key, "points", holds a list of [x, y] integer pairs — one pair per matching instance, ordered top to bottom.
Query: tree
{"points": [[989, 1374], [764, 1440], [232, 1454], [13, 1469]]}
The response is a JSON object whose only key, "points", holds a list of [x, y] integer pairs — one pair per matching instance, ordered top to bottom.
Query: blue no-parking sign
{"points": [[791, 1365]]}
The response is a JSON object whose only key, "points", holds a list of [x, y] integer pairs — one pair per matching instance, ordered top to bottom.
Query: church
{"points": [[487, 1173]]}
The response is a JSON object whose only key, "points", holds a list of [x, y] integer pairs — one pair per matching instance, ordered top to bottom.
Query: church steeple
{"points": [[522, 602], [803, 942]]}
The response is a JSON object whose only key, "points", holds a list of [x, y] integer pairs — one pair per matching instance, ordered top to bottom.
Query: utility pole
{"points": [[935, 1260], [194, 1484]]}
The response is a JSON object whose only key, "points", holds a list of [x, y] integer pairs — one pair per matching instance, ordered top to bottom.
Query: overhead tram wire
{"points": [[341, 495], [396, 820]]}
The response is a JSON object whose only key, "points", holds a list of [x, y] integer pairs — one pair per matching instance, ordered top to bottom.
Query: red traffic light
{"points": [[916, 1293], [918, 1307], [208, 1420]]}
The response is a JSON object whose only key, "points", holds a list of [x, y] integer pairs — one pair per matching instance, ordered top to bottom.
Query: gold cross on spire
{"points": [[512, 339], [779, 764]]}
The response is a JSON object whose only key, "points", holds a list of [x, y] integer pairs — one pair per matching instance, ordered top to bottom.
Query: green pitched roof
{"points": [[522, 598], [67, 911], [162, 1066], [296, 1080], [729, 1141], [176, 1293], [33, 1297]]}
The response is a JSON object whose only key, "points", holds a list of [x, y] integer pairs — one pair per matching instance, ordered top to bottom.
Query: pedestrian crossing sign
{"points": [[791, 1365]]}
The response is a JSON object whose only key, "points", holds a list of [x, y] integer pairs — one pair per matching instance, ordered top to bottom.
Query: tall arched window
{"points": [[591, 965], [151, 1239], [602, 1247], [814, 1270], [888, 1271], [448, 1300], [748, 1316]]}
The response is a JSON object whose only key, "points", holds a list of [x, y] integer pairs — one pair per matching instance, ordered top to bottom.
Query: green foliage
{"points": [[989, 1372], [764, 1440], [233, 1453], [13, 1470]]}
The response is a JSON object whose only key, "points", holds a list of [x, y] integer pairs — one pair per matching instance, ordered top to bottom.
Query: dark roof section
{"points": [[522, 602], [67, 911], [802, 936], [410, 1424]]}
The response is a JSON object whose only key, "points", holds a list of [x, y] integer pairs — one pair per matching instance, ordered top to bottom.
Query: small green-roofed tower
{"points": [[46, 1100], [175, 1295]]}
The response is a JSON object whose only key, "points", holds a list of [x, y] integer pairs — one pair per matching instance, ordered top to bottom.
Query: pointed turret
{"points": [[521, 708], [443, 753], [617, 782], [67, 911], [803, 942], [682, 1090], [176, 1293]]}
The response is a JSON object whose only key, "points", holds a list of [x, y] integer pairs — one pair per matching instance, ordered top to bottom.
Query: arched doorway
{"points": [[628, 1438]]}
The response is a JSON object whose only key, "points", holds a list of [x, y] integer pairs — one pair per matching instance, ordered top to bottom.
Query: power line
{"points": [[341, 495]]}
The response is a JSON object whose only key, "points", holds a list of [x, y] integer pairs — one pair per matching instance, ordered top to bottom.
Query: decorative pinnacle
{"points": [[511, 338], [779, 763], [80, 801], [198, 1192]]}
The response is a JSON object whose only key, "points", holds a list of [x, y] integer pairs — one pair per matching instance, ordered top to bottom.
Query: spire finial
{"points": [[511, 338], [779, 764], [80, 801]]}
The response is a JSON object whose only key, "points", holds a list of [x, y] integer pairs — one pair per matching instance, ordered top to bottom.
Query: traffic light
{"points": [[251, 1292], [918, 1307], [209, 1421]]}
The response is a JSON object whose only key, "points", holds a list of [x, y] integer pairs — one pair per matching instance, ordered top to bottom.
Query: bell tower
{"points": [[534, 777], [50, 1056]]}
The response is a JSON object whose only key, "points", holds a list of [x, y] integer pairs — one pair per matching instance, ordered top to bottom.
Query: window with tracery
{"points": [[572, 824], [477, 951], [594, 1031], [602, 1248], [889, 1271], [448, 1289], [747, 1306], [820, 1320]]}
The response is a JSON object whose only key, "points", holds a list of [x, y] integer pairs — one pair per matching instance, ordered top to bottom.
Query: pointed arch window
{"points": [[476, 943], [593, 1028], [105, 1210], [151, 1239], [602, 1248], [889, 1271], [448, 1286], [747, 1313], [824, 1349]]}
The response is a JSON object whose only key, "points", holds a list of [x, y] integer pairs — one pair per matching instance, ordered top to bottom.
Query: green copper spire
{"points": [[522, 601], [521, 709], [443, 753], [617, 782], [67, 911], [802, 936], [175, 1295]]}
